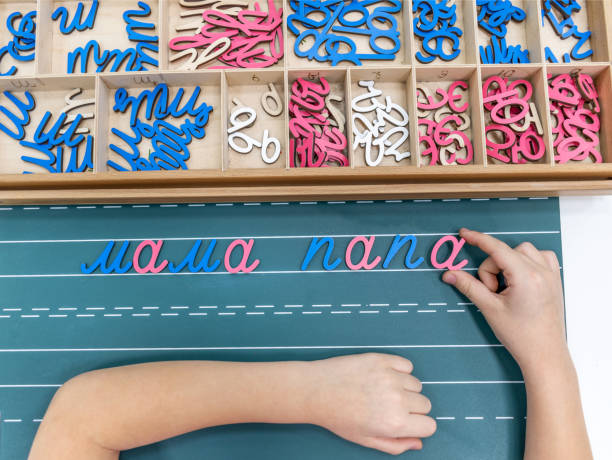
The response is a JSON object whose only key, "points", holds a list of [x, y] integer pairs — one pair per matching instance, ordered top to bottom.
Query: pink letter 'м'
{"points": [[155, 250], [448, 263]]}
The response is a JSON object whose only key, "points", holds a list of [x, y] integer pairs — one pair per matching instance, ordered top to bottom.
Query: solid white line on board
{"points": [[261, 237], [290, 347]]}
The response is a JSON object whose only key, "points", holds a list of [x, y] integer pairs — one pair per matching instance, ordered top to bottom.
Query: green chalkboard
{"points": [[56, 322]]}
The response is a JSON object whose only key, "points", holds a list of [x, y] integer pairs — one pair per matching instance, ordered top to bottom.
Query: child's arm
{"points": [[527, 317], [371, 399]]}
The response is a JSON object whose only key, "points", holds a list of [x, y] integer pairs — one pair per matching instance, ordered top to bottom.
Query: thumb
{"points": [[472, 288], [393, 446]]}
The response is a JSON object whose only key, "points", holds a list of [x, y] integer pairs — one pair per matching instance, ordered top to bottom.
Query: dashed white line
{"points": [[539, 198], [451, 199], [479, 199], [508, 199], [364, 201], [394, 201], [422, 201], [308, 202], [336, 202], [224, 204], [252, 204], [279, 204], [168, 205], [196, 205], [141, 206], [86, 207], [112, 207], [58, 208], [6, 209], [31, 209], [465, 303], [408, 304], [437, 304], [321, 305], [350, 305], [379, 305], [207, 306], [235, 306], [264, 306], [294, 306], [179, 307], [95, 308], [124, 308], [150, 308], [11, 309], [41, 309], [67, 309], [398, 311], [427, 311], [455, 311], [343, 312], [368, 312], [258, 313], [283, 313], [312, 313], [169, 314], [198, 314], [226, 314], [113, 315], [143, 315], [5, 316], [30, 316], [58, 316], [85, 316], [445, 418], [474, 418], [504, 418], [12, 420], [37, 420]]}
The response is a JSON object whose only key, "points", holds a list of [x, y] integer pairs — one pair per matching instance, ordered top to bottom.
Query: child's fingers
{"points": [[529, 250], [503, 255], [551, 259], [487, 272], [473, 289], [400, 364], [411, 383], [417, 403], [419, 426], [394, 446]]}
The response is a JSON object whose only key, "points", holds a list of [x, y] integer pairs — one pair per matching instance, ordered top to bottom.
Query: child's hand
{"points": [[527, 316], [373, 400]]}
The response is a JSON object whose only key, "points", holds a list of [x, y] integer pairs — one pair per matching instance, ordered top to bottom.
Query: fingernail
{"points": [[449, 278]]}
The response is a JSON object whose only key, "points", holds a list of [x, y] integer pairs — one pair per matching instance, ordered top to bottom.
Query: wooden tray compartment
{"points": [[7, 7], [591, 17], [171, 19], [466, 21], [109, 31], [526, 32], [403, 55], [537, 77], [433, 78], [393, 82], [603, 82], [248, 87], [49, 94], [205, 153]]}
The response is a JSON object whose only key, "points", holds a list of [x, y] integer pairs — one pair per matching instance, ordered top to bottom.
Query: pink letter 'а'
{"points": [[367, 249], [155, 250], [246, 252], [448, 263]]}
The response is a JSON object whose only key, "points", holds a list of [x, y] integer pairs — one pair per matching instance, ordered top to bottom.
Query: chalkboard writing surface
{"points": [[57, 321]]}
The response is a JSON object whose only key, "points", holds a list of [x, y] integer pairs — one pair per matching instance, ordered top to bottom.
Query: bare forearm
{"points": [[126, 407], [555, 421]]}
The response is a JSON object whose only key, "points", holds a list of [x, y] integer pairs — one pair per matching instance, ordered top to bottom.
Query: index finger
{"points": [[503, 255]]}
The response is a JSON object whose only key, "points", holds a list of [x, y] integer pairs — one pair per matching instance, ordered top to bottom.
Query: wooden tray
{"points": [[219, 174]]}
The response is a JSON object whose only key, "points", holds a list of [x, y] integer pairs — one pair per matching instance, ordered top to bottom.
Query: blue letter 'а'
{"points": [[102, 261]]}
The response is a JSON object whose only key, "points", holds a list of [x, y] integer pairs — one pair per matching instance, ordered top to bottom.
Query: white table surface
{"points": [[586, 224]]}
